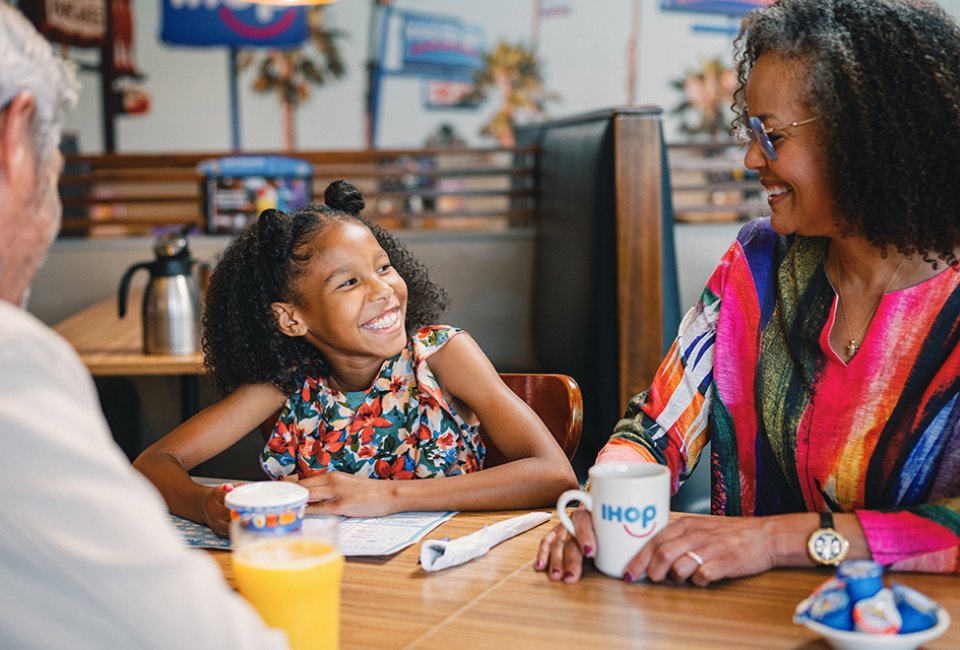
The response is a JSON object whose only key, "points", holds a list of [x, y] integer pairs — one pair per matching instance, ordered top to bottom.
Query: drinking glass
{"points": [[293, 580]]}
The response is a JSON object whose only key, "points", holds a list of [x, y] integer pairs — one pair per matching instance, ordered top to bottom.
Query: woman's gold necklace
{"points": [[852, 346]]}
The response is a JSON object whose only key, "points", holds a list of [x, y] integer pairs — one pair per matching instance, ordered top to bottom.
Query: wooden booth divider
{"points": [[126, 194]]}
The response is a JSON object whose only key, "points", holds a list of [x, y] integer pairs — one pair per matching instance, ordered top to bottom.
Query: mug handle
{"points": [[567, 497]]}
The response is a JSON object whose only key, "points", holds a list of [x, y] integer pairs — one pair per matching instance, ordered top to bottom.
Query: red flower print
{"points": [[309, 390], [368, 417], [424, 433], [409, 438], [284, 439], [445, 441], [328, 442], [470, 464], [395, 470], [305, 471]]}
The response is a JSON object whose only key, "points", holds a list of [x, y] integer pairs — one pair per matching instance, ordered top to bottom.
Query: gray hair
{"points": [[29, 63]]}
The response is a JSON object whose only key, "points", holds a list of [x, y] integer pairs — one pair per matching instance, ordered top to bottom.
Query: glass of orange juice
{"points": [[293, 579]]}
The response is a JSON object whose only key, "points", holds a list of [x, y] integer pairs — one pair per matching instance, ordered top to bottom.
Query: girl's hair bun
{"points": [[344, 197], [273, 233]]}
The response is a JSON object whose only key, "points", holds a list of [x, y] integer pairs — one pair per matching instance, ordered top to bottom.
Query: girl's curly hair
{"points": [[883, 80], [241, 341]]}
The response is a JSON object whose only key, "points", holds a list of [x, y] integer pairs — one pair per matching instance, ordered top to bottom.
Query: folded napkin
{"points": [[436, 554]]}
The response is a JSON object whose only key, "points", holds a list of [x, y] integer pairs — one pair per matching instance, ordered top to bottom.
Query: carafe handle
{"points": [[125, 286]]}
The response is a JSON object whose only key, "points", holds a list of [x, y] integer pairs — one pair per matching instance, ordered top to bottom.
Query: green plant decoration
{"points": [[513, 71], [290, 73]]}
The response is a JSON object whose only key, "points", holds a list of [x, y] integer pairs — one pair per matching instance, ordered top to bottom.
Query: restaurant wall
{"points": [[583, 53]]}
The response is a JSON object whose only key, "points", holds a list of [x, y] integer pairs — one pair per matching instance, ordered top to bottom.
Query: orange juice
{"points": [[295, 585]]}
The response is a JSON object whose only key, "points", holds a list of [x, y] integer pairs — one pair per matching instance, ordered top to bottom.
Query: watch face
{"points": [[827, 546]]}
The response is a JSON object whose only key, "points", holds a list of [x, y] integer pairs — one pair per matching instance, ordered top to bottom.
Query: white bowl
{"points": [[843, 640]]}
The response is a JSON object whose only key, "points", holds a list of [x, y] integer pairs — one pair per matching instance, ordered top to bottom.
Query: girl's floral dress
{"points": [[402, 427]]}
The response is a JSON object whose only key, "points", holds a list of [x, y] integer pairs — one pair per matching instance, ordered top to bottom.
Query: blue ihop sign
{"points": [[728, 7], [231, 22], [435, 43]]}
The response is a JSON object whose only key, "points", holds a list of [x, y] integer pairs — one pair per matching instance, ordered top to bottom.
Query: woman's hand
{"points": [[340, 493], [215, 511], [728, 547], [561, 554]]}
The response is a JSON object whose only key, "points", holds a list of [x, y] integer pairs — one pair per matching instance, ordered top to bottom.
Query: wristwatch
{"points": [[826, 546]]}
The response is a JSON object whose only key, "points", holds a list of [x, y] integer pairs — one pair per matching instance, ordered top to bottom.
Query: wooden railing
{"points": [[710, 183], [127, 194]]}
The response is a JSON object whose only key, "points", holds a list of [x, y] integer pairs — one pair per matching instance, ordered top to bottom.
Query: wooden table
{"points": [[111, 346], [500, 602]]}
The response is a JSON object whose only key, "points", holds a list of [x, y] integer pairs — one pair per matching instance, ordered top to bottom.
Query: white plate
{"points": [[843, 640]]}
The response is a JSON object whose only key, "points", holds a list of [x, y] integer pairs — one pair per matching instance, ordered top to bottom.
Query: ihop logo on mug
{"points": [[629, 504], [635, 521]]}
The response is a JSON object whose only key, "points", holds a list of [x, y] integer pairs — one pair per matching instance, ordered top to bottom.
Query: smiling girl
{"points": [[322, 323]]}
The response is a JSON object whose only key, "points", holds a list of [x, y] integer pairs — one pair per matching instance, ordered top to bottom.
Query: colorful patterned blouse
{"points": [[401, 427], [796, 429]]}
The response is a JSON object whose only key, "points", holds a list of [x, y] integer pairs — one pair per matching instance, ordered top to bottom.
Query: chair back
{"points": [[556, 399]]}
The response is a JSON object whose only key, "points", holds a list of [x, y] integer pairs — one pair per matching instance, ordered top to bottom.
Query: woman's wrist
{"points": [[787, 537]]}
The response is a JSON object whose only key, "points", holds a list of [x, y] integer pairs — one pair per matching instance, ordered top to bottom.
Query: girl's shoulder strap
{"points": [[431, 338]]}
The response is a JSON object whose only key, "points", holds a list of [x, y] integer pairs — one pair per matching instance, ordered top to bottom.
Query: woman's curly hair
{"points": [[883, 80], [241, 341]]}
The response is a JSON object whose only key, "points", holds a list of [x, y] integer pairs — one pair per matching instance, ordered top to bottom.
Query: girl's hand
{"points": [[340, 493], [215, 511], [729, 547], [561, 554]]}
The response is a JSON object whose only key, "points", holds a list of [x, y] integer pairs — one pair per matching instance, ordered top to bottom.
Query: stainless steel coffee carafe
{"points": [[171, 301]]}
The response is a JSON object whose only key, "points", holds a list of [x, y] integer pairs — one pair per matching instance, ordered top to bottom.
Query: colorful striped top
{"points": [[793, 427]]}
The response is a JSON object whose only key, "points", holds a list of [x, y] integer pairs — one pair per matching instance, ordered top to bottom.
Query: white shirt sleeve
{"points": [[86, 552]]}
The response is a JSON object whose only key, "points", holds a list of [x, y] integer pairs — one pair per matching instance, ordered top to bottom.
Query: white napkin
{"points": [[436, 554]]}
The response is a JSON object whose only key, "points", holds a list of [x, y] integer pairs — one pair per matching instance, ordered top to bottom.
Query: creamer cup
{"points": [[272, 507]]}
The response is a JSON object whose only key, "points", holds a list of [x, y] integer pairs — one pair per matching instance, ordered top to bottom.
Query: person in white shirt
{"points": [[87, 555]]}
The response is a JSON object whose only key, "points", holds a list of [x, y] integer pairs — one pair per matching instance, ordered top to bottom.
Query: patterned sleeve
{"points": [[431, 338], [668, 423], [921, 538]]}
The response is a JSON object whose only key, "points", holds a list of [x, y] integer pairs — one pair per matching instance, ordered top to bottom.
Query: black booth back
{"points": [[575, 282]]}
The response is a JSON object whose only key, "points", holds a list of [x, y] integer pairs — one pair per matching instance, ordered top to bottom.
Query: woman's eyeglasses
{"points": [[760, 133]]}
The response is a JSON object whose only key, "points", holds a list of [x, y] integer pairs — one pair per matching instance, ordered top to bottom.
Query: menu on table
{"points": [[371, 536]]}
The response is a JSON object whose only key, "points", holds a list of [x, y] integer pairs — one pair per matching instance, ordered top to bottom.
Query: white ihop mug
{"points": [[629, 502]]}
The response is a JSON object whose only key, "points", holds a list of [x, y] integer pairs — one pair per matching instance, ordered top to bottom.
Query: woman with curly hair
{"points": [[306, 322], [823, 359]]}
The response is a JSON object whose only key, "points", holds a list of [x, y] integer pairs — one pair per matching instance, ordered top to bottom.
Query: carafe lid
{"points": [[170, 244]]}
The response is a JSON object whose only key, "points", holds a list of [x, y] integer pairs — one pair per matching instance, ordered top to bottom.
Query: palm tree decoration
{"points": [[513, 70], [289, 73], [708, 92]]}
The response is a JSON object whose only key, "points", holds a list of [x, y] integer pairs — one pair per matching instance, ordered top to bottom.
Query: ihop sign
{"points": [[232, 23], [440, 45]]}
